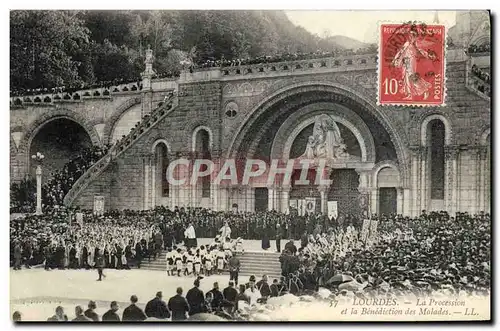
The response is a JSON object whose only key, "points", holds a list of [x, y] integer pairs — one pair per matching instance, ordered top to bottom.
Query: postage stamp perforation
{"points": [[413, 27]]}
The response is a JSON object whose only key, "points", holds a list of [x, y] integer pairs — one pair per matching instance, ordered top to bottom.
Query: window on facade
{"points": [[231, 113], [435, 136], [162, 159]]}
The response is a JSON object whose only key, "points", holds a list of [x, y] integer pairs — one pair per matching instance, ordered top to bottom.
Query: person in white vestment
{"points": [[190, 236]]}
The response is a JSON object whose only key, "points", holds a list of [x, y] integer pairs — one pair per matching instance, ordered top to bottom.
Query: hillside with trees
{"points": [[74, 48]]}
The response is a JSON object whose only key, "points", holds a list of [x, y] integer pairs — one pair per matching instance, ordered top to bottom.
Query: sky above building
{"points": [[361, 25]]}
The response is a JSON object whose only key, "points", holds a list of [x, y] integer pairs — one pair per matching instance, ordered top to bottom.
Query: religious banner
{"points": [[98, 204], [310, 205], [332, 209], [373, 229], [365, 230]]}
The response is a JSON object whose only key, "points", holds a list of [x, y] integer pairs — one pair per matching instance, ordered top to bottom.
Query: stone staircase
{"points": [[146, 124], [160, 263], [252, 263], [260, 263]]}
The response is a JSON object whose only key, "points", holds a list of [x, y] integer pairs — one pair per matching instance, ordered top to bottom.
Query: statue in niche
{"points": [[325, 142]]}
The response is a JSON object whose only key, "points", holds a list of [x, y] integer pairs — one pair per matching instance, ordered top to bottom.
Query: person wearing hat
{"points": [[195, 298], [157, 308], [132, 312], [90, 313], [111, 315]]}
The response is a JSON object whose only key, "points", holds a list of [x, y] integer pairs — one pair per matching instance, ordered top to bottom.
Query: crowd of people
{"points": [[485, 48], [211, 63], [476, 71], [71, 89], [61, 181], [400, 255], [418, 255], [230, 303]]}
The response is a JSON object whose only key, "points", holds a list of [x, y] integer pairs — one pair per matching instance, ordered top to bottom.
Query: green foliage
{"points": [[42, 44], [54, 48], [23, 194]]}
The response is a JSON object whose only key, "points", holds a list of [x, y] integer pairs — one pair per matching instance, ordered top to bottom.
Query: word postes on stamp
{"points": [[412, 64]]}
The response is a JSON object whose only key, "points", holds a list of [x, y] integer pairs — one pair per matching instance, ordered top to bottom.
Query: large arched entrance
{"points": [[281, 127], [60, 140]]}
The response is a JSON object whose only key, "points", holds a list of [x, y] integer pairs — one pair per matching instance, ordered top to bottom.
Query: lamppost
{"points": [[38, 158]]}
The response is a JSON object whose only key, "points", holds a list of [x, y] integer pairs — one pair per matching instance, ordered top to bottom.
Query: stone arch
{"points": [[331, 87], [54, 114], [436, 116], [115, 117], [345, 117], [195, 132], [161, 141], [288, 144], [13, 146], [23, 150], [382, 165]]}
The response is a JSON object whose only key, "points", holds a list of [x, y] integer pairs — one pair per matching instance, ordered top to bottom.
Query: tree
{"points": [[42, 44]]}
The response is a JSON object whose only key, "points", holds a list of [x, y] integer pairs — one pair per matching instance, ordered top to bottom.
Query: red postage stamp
{"points": [[412, 64]]}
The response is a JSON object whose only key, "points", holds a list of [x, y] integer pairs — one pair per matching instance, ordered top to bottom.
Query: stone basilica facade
{"points": [[401, 159]]}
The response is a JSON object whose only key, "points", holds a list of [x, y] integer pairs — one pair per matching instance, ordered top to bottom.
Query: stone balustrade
{"points": [[362, 61], [77, 96]]}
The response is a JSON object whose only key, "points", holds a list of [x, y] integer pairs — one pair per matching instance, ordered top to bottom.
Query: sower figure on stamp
{"points": [[406, 59]]}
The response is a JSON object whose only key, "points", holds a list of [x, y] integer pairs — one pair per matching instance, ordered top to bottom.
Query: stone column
{"points": [[147, 76], [451, 156], [147, 174], [415, 175], [154, 179], [424, 183], [39, 189], [482, 189], [323, 192], [369, 194], [270, 197], [285, 198], [400, 199], [374, 200], [406, 202]]}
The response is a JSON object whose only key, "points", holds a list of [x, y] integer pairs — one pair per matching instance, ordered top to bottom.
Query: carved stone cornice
{"points": [[323, 188]]}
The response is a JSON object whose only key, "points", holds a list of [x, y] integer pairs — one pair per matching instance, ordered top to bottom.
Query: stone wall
{"points": [[199, 104]]}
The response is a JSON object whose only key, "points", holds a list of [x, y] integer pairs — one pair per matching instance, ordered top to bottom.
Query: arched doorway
{"points": [[367, 135], [61, 140], [161, 161]]}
